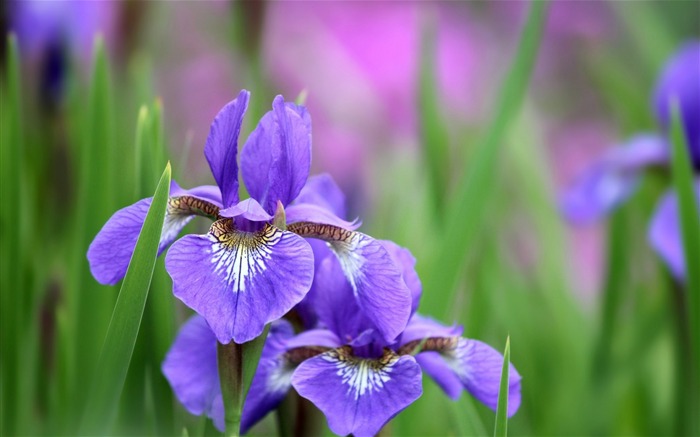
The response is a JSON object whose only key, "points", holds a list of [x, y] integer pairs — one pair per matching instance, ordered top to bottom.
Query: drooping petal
{"points": [[680, 80], [222, 147], [275, 160], [612, 179], [321, 190], [249, 209], [306, 212], [665, 233], [110, 252], [404, 259], [375, 279], [239, 281], [335, 303], [424, 327], [433, 364], [478, 366], [191, 368], [273, 377], [358, 395]]}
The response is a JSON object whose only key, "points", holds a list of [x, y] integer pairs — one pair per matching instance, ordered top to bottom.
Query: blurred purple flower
{"points": [[40, 24], [680, 80], [614, 176], [247, 270], [355, 377]]}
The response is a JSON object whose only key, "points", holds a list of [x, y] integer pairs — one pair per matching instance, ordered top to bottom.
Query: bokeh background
{"points": [[401, 95]]}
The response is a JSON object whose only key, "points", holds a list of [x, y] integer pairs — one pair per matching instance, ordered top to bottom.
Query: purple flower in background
{"points": [[41, 24], [615, 176], [246, 271], [355, 377]]}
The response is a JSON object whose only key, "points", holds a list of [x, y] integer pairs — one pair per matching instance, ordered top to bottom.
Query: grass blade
{"points": [[433, 131], [466, 211], [689, 220], [126, 318], [11, 322], [501, 428]]}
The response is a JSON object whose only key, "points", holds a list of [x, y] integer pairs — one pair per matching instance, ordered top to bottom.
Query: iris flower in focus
{"points": [[615, 176], [254, 265], [355, 377]]}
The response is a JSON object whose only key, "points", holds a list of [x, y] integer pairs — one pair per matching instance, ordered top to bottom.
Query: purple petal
{"points": [[680, 80], [222, 146], [275, 160], [612, 179], [321, 190], [210, 193], [249, 209], [306, 212], [665, 233], [110, 252], [404, 259], [240, 281], [376, 282], [335, 303], [307, 307], [424, 327], [314, 337], [433, 364], [478, 366], [191, 369], [273, 377], [358, 395]]}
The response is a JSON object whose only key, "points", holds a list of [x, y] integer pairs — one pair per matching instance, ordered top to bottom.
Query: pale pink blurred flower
{"points": [[360, 62]]}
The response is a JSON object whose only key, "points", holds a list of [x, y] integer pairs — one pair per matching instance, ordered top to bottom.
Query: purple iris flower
{"points": [[615, 176], [246, 272], [355, 377]]}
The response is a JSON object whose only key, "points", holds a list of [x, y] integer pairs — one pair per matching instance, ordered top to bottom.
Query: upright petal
{"points": [[680, 80], [222, 147], [275, 160], [612, 179], [321, 190], [665, 233], [110, 252], [376, 280], [239, 281], [191, 368], [358, 395]]}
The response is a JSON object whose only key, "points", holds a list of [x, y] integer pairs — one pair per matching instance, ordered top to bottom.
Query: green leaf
{"points": [[433, 131], [466, 211], [690, 230], [11, 322], [124, 326], [251, 356], [237, 364], [501, 428]]}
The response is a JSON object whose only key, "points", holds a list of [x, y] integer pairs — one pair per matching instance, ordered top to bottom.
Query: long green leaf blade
{"points": [[466, 211], [690, 230], [126, 318], [11, 322], [501, 429]]}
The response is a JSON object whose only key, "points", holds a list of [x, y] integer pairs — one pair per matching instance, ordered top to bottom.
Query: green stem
{"points": [[229, 358]]}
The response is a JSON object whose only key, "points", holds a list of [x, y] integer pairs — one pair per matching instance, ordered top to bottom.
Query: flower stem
{"points": [[229, 357]]}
